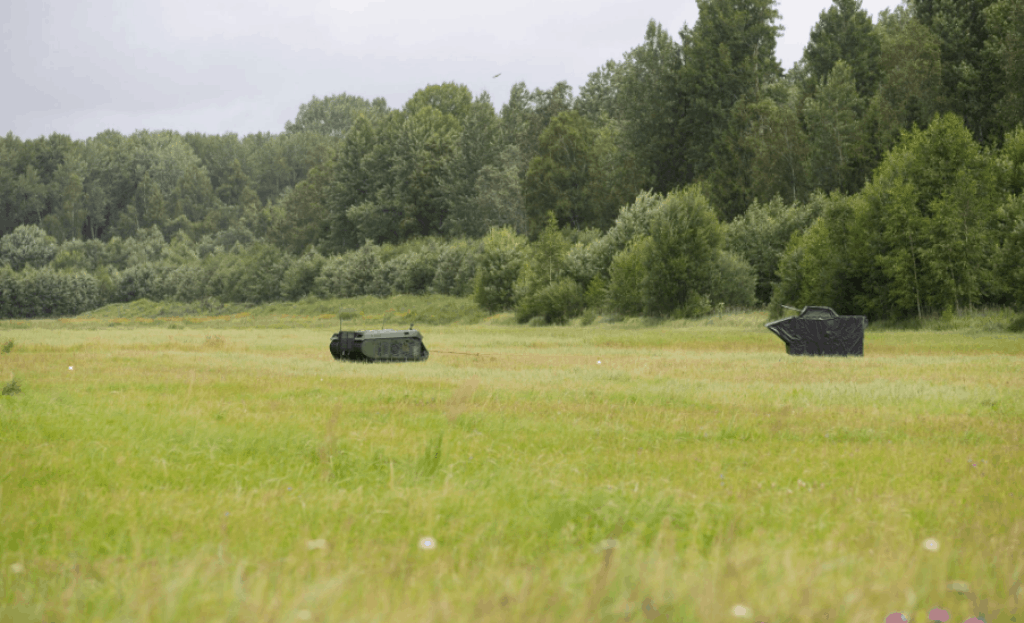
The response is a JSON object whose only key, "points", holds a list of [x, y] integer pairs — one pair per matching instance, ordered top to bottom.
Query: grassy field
{"points": [[228, 469]]}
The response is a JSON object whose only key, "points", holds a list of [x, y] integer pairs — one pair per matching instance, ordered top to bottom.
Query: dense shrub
{"points": [[632, 223], [760, 236], [685, 238], [27, 245], [502, 253], [456, 268], [628, 270], [413, 271], [250, 274], [351, 274], [300, 277], [140, 281], [733, 281], [186, 283], [8, 293], [33, 293], [556, 302]]}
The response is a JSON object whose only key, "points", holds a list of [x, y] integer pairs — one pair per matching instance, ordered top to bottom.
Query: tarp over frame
{"points": [[821, 331]]}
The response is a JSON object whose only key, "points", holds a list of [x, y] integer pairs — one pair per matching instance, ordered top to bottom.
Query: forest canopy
{"points": [[881, 175]]}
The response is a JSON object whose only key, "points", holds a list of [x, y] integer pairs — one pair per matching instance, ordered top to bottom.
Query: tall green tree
{"points": [[1004, 21], [844, 32], [728, 55], [973, 84], [910, 87], [598, 96], [649, 102], [526, 114], [334, 115], [835, 132], [779, 145], [426, 146], [477, 147], [560, 179], [497, 200], [932, 206], [67, 221], [685, 239]]}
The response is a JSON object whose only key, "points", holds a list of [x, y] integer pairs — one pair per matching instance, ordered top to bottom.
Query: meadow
{"points": [[176, 468]]}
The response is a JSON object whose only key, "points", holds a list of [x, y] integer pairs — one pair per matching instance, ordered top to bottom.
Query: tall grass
{"points": [[229, 474]]}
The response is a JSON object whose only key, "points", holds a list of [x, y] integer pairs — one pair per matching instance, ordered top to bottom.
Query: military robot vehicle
{"points": [[384, 345]]}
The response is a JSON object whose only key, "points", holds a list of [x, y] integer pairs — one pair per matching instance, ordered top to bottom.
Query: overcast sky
{"points": [[217, 66]]}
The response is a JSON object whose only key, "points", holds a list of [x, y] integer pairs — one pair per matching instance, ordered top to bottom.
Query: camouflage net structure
{"points": [[821, 331]]}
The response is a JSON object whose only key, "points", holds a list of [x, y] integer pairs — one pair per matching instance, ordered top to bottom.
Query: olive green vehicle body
{"points": [[383, 345]]}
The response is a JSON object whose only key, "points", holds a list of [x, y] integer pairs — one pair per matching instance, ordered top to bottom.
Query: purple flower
{"points": [[938, 614]]}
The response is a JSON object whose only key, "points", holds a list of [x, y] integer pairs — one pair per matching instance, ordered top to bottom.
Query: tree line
{"points": [[880, 174]]}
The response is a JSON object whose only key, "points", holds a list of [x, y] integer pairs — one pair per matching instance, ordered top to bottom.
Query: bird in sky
{"points": [[496, 75]]}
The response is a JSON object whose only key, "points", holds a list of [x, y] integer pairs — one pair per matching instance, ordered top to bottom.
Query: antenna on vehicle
{"points": [[385, 319]]}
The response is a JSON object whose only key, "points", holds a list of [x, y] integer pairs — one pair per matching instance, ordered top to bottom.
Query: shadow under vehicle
{"points": [[821, 331], [385, 345]]}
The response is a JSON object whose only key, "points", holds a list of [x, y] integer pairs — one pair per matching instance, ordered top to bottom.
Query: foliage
{"points": [[844, 33], [728, 55], [910, 86], [648, 103], [334, 114], [835, 132], [882, 173], [560, 179], [761, 234], [685, 239], [920, 239], [27, 245], [502, 253], [1010, 260], [456, 268], [627, 273], [351, 274], [299, 279], [732, 282], [44, 292], [555, 302]]}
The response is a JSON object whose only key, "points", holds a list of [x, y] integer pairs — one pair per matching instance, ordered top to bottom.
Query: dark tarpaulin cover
{"points": [[821, 331]]}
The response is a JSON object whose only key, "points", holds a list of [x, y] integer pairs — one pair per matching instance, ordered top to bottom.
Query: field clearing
{"points": [[616, 472]]}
